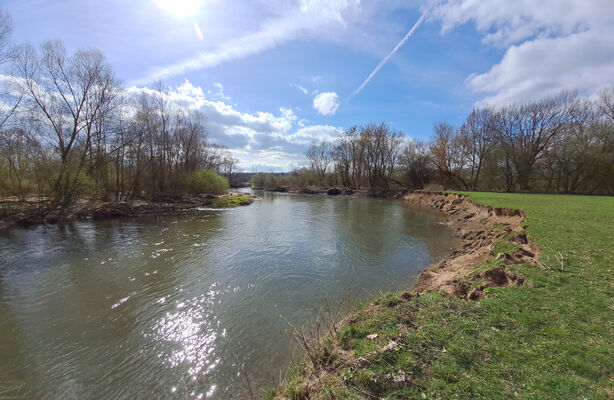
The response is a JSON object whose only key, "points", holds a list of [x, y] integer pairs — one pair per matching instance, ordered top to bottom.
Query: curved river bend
{"points": [[181, 306]]}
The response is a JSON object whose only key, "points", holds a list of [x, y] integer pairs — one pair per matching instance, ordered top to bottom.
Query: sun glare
{"points": [[180, 8]]}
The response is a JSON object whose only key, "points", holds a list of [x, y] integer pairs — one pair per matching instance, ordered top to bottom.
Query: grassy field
{"points": [[552, 338]]}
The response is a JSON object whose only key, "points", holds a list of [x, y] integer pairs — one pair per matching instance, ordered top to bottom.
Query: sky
{"points": [[275, 76]]}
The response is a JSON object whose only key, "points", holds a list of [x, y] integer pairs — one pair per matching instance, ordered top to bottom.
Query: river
{"points": [[182, 306]]}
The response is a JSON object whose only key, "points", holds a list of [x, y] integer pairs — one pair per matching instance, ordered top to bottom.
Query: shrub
{"points": [[206, 181], [67, 184]]}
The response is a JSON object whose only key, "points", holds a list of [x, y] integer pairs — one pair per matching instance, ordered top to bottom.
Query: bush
{"points": [[206, 181], [67, 184]]}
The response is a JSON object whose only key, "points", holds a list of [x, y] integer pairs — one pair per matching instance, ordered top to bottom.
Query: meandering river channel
{"points": [[182, 306]]}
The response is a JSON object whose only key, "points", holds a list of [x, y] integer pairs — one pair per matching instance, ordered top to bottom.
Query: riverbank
{"points": [[308, 190], [339, 191], [35, 211], [481, 232], [521, 309]]}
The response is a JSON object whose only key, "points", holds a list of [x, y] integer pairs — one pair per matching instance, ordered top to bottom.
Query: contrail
{"points": [[385, 59]]}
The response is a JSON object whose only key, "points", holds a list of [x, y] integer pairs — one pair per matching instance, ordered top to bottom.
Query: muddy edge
{"points": [[476, 229]]}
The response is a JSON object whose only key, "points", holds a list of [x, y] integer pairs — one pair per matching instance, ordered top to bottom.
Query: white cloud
{"points": [[306, 18], [505, 22], [551, 45], [545, 66], [219, 92], [326, 103], [315, 133], [261, 140], [289, 153]]}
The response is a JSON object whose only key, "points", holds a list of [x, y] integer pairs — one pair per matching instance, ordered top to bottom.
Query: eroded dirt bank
{"points": [[482, 232]]}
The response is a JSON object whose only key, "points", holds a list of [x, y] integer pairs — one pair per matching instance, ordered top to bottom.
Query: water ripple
{"points": [[175, 306]]}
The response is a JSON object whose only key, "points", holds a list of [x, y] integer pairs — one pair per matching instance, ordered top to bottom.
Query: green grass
{"points": [[231, 201], [552, 338]]}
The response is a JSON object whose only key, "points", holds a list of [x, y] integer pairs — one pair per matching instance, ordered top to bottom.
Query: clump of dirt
{"points": [[477, 228], [520, 256], [495, 277]]}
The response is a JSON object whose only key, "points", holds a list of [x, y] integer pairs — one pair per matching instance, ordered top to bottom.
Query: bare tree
{"points": [[7, 51], [67, 96], [8, 102], [606, 103], [525, 131], [476, 142], [166, 143], [382, 147], [213, 155], [447, 155], [343, 156], [320, 157], [416, 163], [229, 167]]}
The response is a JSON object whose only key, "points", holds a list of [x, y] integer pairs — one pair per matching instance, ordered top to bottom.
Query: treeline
{"points": [[69, 129], [560, 144], [362, 157]]}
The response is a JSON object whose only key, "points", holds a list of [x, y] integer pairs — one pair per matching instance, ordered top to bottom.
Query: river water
{"points": [[183, 306]]}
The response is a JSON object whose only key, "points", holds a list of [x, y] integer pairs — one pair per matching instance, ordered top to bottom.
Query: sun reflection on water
{"points": [[189, 334], [186, 337]]}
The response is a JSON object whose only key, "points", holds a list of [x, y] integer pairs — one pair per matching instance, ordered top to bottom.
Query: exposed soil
{"points": [[34, 211], [477, 228]]}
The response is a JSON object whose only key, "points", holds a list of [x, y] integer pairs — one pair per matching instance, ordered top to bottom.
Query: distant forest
{"points": [[559, 144]]}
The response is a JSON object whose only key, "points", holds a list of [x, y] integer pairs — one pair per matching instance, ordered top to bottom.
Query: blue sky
{"points": [[274, 76]]}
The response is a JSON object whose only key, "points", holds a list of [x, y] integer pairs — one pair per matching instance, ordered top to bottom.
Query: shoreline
{"points": [[339, 191], [15, 214], [477, 229], [487, 240]]}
